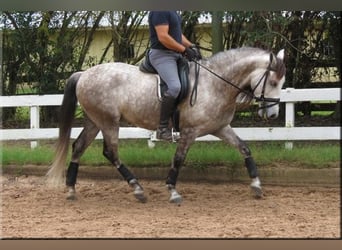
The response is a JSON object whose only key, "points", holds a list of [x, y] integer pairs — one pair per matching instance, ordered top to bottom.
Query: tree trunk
{"points": [[217, 31]]}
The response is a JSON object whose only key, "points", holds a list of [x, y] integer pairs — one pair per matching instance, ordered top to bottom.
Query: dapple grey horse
{"points": [[112, 92]]}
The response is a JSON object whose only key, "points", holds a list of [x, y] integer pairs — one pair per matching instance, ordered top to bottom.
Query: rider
{"points": [[168, 44]]}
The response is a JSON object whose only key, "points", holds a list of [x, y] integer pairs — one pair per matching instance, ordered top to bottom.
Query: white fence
{"points": [[287, 133]]}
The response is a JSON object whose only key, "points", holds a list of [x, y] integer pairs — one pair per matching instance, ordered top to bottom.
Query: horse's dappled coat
{"points": [[112, 92]]}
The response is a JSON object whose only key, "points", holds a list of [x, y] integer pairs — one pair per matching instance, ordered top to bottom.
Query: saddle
{"points": [[183, 73]]}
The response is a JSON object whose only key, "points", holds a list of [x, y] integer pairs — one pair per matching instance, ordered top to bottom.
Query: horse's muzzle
{"points": [[268, 111]]}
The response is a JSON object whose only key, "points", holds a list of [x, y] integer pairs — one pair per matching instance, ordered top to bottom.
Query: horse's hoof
{"points": [[256, 188], [138, 190], [257, 191], [71, 194], [139, 195], [71, 197], [176, 198]]}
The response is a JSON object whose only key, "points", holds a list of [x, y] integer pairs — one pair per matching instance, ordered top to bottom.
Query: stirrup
{"points": [[173, 137]]}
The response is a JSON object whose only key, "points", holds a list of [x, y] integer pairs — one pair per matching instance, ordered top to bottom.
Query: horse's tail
{"points": [[56, 173]]}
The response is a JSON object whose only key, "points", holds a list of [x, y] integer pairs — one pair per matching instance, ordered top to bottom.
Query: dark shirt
{"points": [[171, 18]]}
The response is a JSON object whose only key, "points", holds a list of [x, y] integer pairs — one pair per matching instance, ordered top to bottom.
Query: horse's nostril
{"points": [[273, 116]]}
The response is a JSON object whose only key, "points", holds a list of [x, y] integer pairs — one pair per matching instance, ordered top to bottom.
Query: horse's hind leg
{"points": [[87, 135], [228, 136], [110, 151]]}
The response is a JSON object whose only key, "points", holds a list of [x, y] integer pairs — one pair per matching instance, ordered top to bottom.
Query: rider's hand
{"points": [[197, 50], [191, 54]]}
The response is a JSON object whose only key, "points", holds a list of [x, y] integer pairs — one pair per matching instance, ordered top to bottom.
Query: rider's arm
{"points": [[168, 41], [186, 42]]}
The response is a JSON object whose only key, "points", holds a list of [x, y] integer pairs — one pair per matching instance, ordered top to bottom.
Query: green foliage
{"points": [[189, 21], [124, 26], [311, 39], [42, 48], [22, 114]]}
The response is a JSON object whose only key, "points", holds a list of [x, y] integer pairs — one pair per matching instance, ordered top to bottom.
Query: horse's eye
{"points": [[273, 83]]}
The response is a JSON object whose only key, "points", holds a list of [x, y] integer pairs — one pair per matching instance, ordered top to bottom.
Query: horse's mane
{"points": [[235, 54]]}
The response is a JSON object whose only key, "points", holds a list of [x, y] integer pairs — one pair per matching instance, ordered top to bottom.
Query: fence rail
{"points": [[287, 133]]}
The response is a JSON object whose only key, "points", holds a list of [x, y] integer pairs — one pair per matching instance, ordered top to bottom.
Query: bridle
{"points": [[265, 102]]}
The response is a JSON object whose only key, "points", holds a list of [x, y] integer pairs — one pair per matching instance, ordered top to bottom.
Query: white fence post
{"points": [[289, 117], [289, 120], [34, 122]]}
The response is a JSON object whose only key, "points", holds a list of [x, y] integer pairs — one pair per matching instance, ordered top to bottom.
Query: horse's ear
{"points": [[281, 54]]}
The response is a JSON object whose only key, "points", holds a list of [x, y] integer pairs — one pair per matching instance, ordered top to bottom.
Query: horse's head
{"points": [[266, 83]]}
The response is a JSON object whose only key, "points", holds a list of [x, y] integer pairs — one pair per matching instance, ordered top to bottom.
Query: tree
{"points": [[189, 21], [125, 26], [217, 31], [235, 35], [305, 35], [335, 38], [312, 41], [42, 48]]}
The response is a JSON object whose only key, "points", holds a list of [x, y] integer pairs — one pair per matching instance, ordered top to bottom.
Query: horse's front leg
{"points": [[228, 136], [182, 149]]}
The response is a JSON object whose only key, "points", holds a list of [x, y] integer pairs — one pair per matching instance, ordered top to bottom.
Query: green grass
{"points": [[201, 154], [21, 155], [316, 155]]}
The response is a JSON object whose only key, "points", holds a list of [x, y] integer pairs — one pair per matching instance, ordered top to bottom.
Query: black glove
{"points": [[197, 50], [191, 54]]}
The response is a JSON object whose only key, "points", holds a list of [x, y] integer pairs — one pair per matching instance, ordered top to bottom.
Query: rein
{"points": [[193, 96], [261, 98]]}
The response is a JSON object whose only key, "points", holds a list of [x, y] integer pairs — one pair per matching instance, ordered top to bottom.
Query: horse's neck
{"points": [[236, 71]]}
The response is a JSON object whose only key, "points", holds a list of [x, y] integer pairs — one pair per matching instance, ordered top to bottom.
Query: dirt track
{"points": [[107, 209]]}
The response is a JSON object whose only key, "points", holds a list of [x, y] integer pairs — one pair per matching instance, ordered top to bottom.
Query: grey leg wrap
{"points": [[251, 167], [72, 174], [126, 174]]}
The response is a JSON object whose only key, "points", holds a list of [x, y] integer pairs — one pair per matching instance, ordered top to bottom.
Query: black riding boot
{"points": [[168, 106]]}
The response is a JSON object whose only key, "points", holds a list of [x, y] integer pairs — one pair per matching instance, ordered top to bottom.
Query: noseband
{"points": [[266, 102]]}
